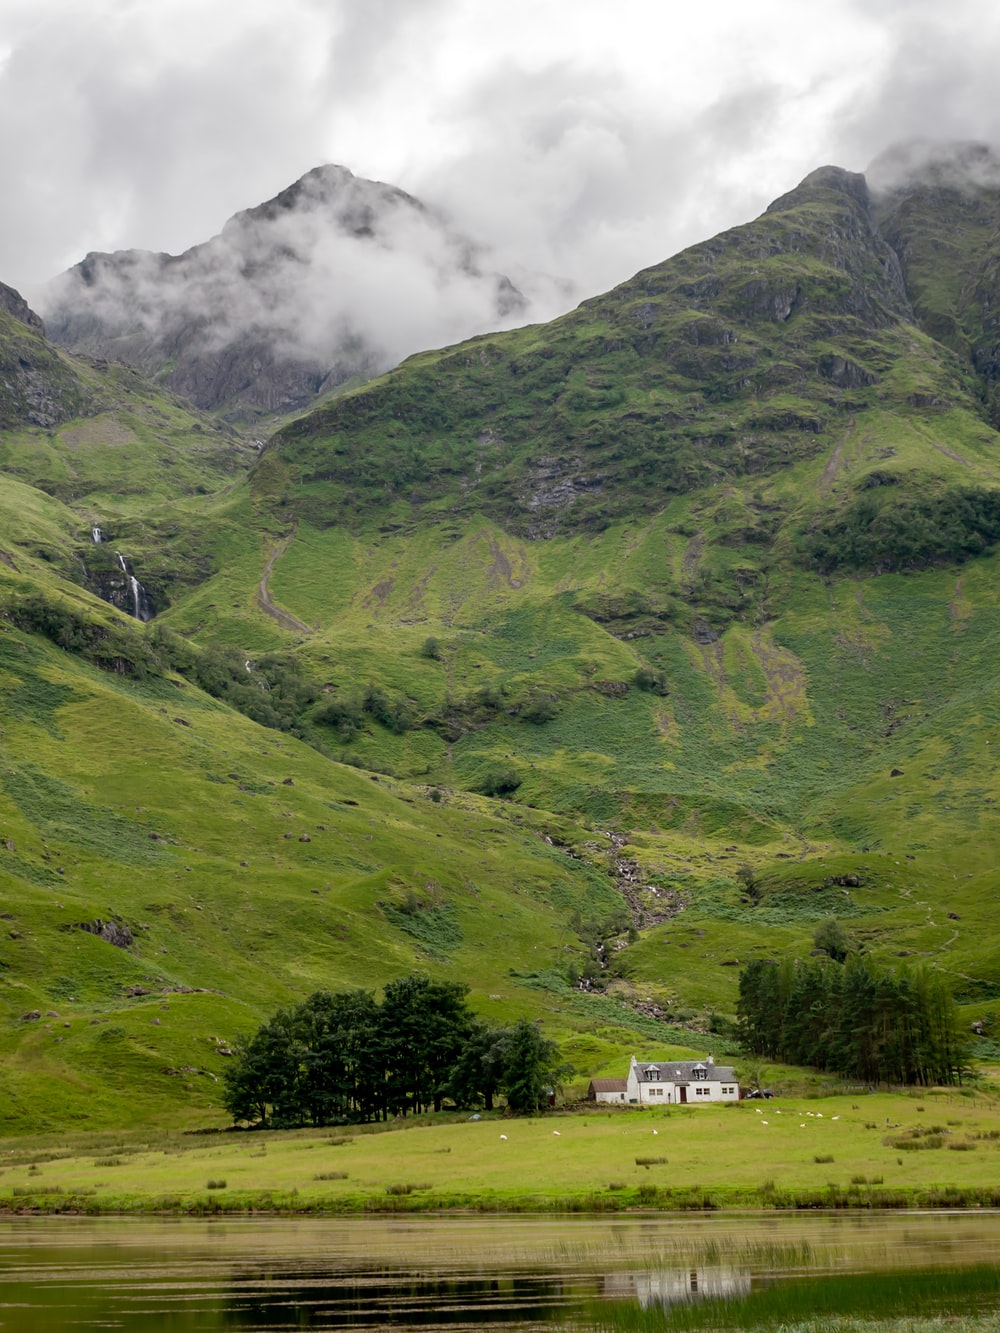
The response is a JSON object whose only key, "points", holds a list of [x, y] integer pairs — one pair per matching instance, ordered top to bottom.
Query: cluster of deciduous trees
{"points": [[856, 1019], [345, 1057]]}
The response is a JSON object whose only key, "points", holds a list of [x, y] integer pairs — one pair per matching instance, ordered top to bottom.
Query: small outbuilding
{"points": [[608, 1090]]}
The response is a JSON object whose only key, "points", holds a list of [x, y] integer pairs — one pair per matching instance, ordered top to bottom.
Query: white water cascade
{"points": [[97, 535], [141, 607]]}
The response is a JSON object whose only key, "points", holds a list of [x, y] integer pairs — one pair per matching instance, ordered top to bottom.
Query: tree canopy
{"points": [[858, 1020], [340, 1058]]}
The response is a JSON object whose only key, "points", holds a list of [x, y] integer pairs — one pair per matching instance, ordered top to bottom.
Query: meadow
{"points": [[882, 1150]]}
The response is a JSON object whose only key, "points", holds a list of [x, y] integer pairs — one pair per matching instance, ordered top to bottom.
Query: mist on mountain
{"points": [[335, 278]]}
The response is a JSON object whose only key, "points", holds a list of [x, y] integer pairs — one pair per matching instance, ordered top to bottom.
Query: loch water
{"points": [[590, 1273]]}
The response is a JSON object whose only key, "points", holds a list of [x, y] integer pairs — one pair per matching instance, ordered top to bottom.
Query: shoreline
{"points": [[266, 1203]]}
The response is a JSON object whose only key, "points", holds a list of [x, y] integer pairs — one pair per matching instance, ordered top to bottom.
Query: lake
{"points": [[631, 1272]]}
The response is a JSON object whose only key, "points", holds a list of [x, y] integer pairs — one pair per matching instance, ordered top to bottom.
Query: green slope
{"points": [[705, 568], [233, 868]]}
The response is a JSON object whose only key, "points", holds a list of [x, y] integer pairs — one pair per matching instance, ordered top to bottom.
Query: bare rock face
{"points": [[938, 206], [336, 278], [15, 304], [37, 388], [113, 932]]}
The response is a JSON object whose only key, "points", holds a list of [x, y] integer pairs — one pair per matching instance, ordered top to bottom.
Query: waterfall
{"points": [[96, 535], [141, 607]]}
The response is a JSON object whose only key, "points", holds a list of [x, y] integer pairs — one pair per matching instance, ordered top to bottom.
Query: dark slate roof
{"points": [[683, 1071], [609, 1084]]}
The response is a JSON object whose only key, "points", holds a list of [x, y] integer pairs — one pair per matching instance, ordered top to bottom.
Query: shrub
{"points": [[906, 529], [117, 648], [431, 648], [650, 680], [540, 708], [393, 713], [343, 715], [499, 782], [832, 938], [216, 1185]]}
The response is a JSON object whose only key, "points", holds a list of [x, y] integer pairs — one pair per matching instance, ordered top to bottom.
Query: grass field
{"points": [[885, 1150]]}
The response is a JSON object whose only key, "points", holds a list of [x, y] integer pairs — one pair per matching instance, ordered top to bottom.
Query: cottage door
{"points": [[682, 1089]]}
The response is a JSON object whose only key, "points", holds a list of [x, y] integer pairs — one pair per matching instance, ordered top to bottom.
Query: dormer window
{"points": [[699, 1071], [652, 1073]]}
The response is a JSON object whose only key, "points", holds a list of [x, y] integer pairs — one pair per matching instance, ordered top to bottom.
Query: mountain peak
{"points": [[819, 185], [353, 202], [336, 277]]}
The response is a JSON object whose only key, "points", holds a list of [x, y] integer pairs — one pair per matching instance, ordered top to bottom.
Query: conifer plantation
{"points": [[864, 1022]]}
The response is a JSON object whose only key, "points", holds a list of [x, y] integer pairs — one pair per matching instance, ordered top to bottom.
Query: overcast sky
{"points": [[585, 138]]}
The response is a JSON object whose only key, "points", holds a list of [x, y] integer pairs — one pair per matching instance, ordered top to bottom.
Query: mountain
{"points": [[335, 279], [37, 388], [91, 446], [583, 662]]}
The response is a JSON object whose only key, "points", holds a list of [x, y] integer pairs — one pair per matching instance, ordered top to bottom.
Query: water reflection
{"points": [[455, 1273], [669, 1286], [394, 1299]]}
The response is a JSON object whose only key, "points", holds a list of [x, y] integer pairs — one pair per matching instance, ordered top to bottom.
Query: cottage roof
{"points": [[683, 1071], [609, 1084]]}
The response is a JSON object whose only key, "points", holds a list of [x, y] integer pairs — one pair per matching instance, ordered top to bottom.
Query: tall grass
{"points": [[866, 1300]]}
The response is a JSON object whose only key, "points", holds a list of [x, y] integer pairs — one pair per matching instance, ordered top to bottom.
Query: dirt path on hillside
{"points": [[928, 435], [836, 459], [689, 561], [284, 618]]}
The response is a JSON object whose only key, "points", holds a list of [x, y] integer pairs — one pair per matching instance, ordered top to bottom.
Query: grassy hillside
{"points": [[604, 656], [169, 872]]}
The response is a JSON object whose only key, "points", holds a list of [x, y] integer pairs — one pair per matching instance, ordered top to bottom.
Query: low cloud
{"points": [[569, 145], [335, 275]]}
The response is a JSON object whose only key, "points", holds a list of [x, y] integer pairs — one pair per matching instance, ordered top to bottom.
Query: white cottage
{"points": [[692, 1082]]}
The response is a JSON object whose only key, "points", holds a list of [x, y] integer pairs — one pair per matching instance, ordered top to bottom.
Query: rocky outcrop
{"points": [[938, 207], [15, 304], [37, 387]]}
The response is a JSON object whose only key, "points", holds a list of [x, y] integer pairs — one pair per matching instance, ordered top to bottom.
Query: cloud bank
{"points": [[584, 143]]}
